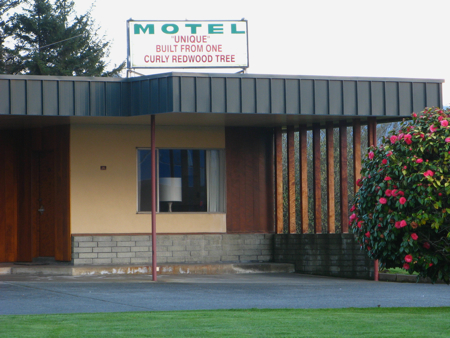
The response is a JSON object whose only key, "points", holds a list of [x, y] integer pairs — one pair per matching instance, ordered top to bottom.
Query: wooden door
{"points": [[44, 209]]}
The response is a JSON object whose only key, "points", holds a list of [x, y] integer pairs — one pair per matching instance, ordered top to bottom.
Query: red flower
{"points": [[414, 115], [444, 123], [433, 128], [393, 138], [447, 139], [389, 153], [371, 154], [419, 160], [384, 161], [428, 173], [387, 178], [388, 192], [394, 192], [382, 200], [402, 200], [353, 208], [352, 217], [403, 223], [360, 224], [397, 225], [367, 234], [414, 236], [426, 245], [408, 258], [406, 266]]}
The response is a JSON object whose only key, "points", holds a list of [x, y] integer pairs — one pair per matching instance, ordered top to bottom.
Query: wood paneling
{"points": [[372, 131], [303, 153], [33, 161], [249, 162], [343, 173], [291, 179], [330, 179], [279, 180], [317, 188]]}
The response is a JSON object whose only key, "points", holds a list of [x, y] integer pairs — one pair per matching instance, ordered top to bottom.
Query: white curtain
{"points": [[216, 177]]}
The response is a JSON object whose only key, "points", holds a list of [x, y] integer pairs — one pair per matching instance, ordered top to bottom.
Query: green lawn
{"points": [[372, 322]]}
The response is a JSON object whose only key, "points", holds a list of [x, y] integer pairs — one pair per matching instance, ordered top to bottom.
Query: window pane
{"points": [[187, 166], [145, 180]]}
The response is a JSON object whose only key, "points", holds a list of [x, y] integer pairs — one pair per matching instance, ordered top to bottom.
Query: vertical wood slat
{"points": [[372, 131], [356, 152], [303, 154], [343, 173], [291, 179], [330, 179], [279, 180], [317, 189], [63, 251]]}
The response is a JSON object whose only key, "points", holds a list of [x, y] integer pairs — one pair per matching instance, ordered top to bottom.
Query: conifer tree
{"points": [[51, 39]]}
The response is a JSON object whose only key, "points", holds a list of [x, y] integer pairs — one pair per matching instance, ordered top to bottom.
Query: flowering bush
{"points": [[401, 212]]}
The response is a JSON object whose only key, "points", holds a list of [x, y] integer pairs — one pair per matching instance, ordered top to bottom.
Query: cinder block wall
{"points": [[99, 250], [323, 254]]}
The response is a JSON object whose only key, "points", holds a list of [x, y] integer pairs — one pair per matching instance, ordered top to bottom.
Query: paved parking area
{"points": [[88, 294]]}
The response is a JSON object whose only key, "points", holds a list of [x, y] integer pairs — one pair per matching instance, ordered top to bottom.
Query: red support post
{"points": [[153, 152]]}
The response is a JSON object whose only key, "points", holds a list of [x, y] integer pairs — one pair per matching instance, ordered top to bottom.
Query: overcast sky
{"points": [[382, 38]]}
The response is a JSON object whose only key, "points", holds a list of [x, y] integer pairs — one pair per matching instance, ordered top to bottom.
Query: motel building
{"points": [[76, 178]]}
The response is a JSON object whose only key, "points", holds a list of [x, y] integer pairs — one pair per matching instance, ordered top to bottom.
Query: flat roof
{"points": [[218, 98]]}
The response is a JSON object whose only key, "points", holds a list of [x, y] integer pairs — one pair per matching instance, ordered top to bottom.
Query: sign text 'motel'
{"points": [[170, 28], [187, 44]]}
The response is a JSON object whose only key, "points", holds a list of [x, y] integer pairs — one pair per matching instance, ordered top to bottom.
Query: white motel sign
{"points": [[187, 44]]}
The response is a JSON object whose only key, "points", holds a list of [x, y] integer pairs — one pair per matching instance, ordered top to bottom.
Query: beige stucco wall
{"points": [[105, 201]]}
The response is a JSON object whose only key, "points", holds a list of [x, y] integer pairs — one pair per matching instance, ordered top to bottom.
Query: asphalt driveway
{"points": [[80, 294]]}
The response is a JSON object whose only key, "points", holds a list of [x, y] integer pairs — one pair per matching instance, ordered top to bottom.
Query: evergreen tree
{"points": [[50, 39], [5, 53]]}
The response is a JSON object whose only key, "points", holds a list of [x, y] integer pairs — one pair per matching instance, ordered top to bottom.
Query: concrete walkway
{"points": [[32, 294]]}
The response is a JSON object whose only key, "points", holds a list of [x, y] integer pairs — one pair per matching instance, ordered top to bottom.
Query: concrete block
{"points": [[177, 237], [82, 238], [102, 238], [121, 238], [140, 238], [163, 242], [126, 243], [146, 243], [87, 244], [106, 244], [177, 248], [102, 249], [121, 249], [140, 249], [78, 250], [197, 253], [126, 254], [145, 254], [159, 254], [181, 254], [74, 255], [87, 255], [107, 255], [265, 258], [176, 259], [230, 259], [121, 260], [135, 260], [79, 261], [100, 261]]}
